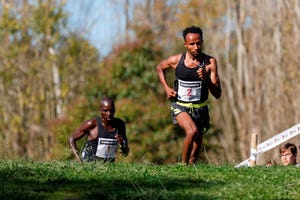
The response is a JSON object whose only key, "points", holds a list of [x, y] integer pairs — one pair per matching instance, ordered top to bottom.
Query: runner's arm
{"points": [[161, 68], [213, 82], [83, 129]]}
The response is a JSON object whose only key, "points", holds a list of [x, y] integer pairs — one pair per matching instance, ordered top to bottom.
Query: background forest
{"points": [[51, 77]]}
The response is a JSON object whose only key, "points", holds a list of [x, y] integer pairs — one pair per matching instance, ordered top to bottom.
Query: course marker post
{"points": [[253, 151]]}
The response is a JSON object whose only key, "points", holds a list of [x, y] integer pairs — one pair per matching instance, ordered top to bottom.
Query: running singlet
{"points": [[190, 88], [105, 145], [107, 148]]}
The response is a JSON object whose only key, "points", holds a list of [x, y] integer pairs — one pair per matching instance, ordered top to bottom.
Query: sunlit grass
{"points": [[72, 180]]}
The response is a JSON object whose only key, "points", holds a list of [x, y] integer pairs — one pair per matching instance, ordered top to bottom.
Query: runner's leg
{"points": [[185, 121], [196, 148]]}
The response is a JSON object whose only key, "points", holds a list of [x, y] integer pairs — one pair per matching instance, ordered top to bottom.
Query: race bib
{"points": [[189, 91], [107, 148]]}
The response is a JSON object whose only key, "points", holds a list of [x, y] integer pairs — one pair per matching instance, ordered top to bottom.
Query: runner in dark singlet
{"points": [[196, 76], [104, 135]]}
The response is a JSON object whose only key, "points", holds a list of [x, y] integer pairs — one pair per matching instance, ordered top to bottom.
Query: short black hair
{"points": [[192, 29], [107, 99]]}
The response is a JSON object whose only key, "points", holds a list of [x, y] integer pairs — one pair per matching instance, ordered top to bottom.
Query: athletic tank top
{"points": [[189, 87], [107, 142], [104, 146]]}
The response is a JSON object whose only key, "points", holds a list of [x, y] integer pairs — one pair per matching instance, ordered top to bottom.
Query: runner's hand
{"points": [[202, 74], [171, 93], [120, 139]]}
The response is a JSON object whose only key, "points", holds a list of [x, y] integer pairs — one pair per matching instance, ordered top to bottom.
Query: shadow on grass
{"points": [[25, 184], [164, 188]]}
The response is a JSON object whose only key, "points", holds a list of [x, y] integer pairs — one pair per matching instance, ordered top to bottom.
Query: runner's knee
{"points": [[191, 131]]}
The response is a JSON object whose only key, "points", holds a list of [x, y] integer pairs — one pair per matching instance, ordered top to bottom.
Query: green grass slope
{"points": [[71, 180]]}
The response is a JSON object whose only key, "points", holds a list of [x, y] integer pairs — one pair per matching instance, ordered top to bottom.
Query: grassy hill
{"points": [[71, 180]]}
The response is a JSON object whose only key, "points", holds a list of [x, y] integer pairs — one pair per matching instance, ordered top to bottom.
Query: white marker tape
{"points": [[273, 142], [253, 154]]}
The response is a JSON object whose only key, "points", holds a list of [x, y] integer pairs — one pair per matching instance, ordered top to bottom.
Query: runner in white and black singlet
{"points": [[196, 76], [104, 135]]}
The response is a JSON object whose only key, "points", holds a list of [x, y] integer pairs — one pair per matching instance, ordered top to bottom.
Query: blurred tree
{"points": [[42, 69], [261, 71]]}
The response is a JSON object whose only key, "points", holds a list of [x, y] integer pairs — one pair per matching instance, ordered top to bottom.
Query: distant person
{"points": [[196, 75], [104, 134], [288, 154]]}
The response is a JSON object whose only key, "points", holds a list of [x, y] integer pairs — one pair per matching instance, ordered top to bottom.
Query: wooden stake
{"points": [[253, 157]]}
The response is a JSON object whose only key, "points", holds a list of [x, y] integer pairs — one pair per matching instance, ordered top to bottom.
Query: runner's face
{"points": [[193, 44], [107, 111], [287, 158]]}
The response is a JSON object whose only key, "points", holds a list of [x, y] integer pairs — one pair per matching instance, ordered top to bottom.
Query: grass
{"points": [[71, 180]]}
